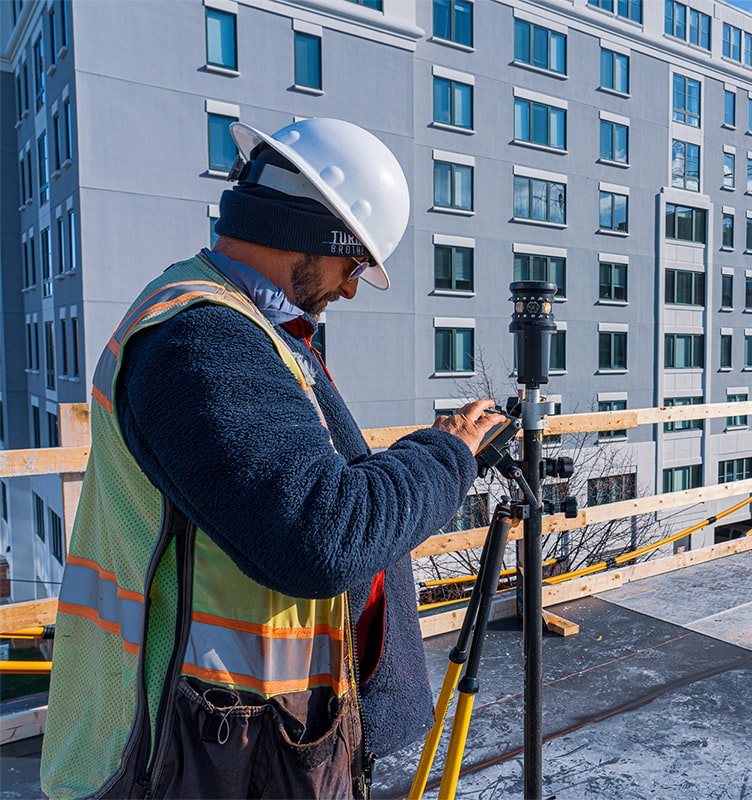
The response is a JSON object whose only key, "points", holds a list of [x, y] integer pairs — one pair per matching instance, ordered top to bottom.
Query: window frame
{"points": [[455, 9], [219, 16], [302, 40], [529, 53], [606, 69], [524, 106], [685, 114], [455, 120], [609, 134], [215, 166], [688, 178], [530, 182], [456, 184], [613, 223], [698, 223], [454, 251], [525, 268], [611, 268], [694, 348], [612, 351], [453, 368], [683, 424]]}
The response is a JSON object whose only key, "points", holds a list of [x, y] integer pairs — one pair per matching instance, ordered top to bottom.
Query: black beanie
{"points": [[264, 216]]}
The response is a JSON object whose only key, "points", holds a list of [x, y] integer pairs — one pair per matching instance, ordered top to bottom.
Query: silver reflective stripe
{"points": [[104, 374], [83, 586], [266, 659]]}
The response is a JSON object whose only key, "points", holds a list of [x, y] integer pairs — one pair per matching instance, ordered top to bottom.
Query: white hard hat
{"points": [[348, 170]]}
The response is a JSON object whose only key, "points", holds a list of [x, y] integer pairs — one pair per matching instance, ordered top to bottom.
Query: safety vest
{"points": [[138, 571]]}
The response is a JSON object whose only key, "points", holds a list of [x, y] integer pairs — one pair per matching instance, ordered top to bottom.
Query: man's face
{"points": [[320, 280]]}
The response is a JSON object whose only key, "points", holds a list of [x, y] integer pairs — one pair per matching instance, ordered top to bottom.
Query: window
{"points": [[376, 5], [628, 9], [675, 20], [453, 21], [676, 24], [64, 26], [699, 29], [53, 35], [221, 39], [732, 42], [540, 47], [748, 49], [307, 60], [38, 61], [614, 71], [19, 96], [686, 101], [452, 103], [729, 108], [540, 124], [68, 130], [614, 142], [56, 143], [222, 150], [729, 163], [685, 165], [29, 178], [44, 179], [22, 180], [452, 185], [540, 200], [613, 211], [685, 223], [60, 226], [728, 230], [749, 234], [72, 241], [45, 254], [31, 263], [530, 267], [453, 268], [612, 281], [727, 291], [748, 293], [29, 346], [63, 347], [726, 348], [454, 349], [612, 350], [684, 350], [747, 351], [49, 352], [558, 358], [74, 365], [612, 405], [738, 420], [682, 424], [36, 427], [53, 433], [735, 469], [678, 479], [4, 489], [612, 489], [473, 513], [38, 515], [56, 535]]}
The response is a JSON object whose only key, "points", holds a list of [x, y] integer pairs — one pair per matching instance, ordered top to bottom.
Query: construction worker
{"points": [[237, 616]]}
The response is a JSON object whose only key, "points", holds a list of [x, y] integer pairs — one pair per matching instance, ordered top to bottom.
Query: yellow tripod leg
{"points": [[434, 735], [456, 746]]}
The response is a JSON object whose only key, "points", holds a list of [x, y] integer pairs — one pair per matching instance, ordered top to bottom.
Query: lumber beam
{"points": [[30, 614]]}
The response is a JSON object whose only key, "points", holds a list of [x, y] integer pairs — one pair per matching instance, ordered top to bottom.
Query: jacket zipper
{"points": [[368, 757]]}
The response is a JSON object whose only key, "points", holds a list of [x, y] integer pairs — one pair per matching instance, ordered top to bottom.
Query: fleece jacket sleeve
{"points": [[219, 424]]}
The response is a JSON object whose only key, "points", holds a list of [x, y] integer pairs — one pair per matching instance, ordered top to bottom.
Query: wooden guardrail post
{"points": [[74, 432]]}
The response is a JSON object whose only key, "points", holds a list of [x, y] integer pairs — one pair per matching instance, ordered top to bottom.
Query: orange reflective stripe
{"points": [[105, 625], [270, 631], [267, 688]]}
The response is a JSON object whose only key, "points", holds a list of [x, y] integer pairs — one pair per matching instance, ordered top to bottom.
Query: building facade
{"points": [[601, 144]]}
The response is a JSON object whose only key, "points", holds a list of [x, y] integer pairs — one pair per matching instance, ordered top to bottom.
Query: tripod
{"points": [[533, 324]]}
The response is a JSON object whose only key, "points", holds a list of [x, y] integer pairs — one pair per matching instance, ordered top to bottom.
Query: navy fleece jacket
{"points": [[219, 424]]}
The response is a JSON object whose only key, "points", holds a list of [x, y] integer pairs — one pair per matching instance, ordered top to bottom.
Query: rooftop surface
{"points": [[649, 700]]}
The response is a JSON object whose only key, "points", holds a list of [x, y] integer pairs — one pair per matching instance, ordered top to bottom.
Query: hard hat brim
{"points": [[247, 138]]}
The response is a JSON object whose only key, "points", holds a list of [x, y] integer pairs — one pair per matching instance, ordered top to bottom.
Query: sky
{"points": [[745, 5]]}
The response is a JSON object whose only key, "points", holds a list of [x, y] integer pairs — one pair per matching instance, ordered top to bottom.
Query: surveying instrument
{"points": [[532, 323]]}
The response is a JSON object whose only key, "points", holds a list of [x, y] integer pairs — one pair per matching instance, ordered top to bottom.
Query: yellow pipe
{"points": [[467, 578], [24, 633], [25, 667], [451, 677], [456, 750]]}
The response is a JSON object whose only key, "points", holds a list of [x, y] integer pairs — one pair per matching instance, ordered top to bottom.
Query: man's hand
{"points": [[471, 423]]}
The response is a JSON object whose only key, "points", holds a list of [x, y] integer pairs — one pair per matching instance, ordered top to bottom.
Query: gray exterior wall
{"points": [[143, 197]]}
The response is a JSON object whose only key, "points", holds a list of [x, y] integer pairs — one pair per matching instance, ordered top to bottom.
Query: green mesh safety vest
{"points": [[128, 573]]}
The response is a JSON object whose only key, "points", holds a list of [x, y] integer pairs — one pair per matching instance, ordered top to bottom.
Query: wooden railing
{"points": [[69, 460]]}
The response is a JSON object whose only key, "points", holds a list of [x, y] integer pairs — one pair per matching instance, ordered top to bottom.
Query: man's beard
{"points": [[306, 285]]}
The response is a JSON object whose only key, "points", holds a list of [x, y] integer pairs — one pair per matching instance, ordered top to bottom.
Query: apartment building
{"points": [[605, 145]]}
